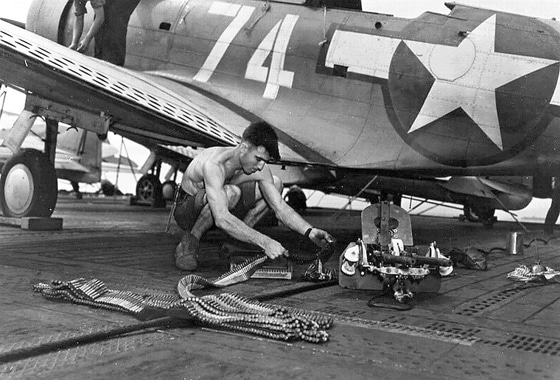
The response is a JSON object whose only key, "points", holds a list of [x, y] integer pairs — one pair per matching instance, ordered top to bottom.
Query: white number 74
{"points": [[241, 16], [276, 41]]}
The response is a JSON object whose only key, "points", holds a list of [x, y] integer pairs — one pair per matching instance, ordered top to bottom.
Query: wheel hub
{"points": [[19, 188], [146, 190]]}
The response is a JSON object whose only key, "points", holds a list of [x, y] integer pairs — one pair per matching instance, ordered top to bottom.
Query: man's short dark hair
{"points": [[262, 133]]}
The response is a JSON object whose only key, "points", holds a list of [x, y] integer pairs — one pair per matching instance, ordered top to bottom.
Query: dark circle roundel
{"points": [[461, 134]]}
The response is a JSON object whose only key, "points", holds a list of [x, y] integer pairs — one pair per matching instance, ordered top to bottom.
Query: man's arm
{"points": [[98, 20], [77, 32], [216, 195], [283, 211], [288, 215]]}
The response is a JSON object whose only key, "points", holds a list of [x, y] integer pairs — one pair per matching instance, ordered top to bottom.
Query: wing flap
{"points": [[133, 100]]}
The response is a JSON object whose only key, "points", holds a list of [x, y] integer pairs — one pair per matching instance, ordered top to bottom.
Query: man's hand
{"points": [[73, 46], [82, 47], [320, 237], [275, 250]]}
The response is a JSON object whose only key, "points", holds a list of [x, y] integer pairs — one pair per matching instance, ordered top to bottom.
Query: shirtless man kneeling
{"points": [[221, 182]]}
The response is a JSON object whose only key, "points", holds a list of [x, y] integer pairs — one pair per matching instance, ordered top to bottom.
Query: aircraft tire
{"points": [[28, 185], [168, 190], [149, 191], [469, 214], [483, 215], [487, 217]]}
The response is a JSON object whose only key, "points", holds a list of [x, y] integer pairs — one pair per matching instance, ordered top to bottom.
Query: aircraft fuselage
{"points": [[475, 91]]}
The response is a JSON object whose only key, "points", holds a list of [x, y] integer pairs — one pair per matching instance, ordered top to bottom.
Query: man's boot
{"points": [[187, 252]]}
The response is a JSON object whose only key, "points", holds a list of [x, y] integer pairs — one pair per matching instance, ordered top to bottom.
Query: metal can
{"points": [[514, 243]]}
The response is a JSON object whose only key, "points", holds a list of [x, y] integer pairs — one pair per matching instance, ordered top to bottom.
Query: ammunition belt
{"points": [[227, 310]]}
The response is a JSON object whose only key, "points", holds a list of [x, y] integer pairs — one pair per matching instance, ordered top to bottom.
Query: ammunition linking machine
{"points": [[385, 258]]}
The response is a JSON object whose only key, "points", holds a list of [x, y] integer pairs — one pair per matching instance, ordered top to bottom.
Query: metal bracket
{"points": [[64, 114], [384, 235]]}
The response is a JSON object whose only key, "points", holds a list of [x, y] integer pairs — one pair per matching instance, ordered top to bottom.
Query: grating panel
{"points": [[482, 305], [339, 312], [349, 318], [395, 319], [452, 331], [464, 332], [450, 336], [29, 343], [529, 343], [57, 361]]}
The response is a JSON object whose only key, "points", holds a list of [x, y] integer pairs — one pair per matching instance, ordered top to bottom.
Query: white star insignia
{"points": [[466, 76]]}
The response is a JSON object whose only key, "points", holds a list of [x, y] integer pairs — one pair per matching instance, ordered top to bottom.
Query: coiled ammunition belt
{"points": [[226, 311]]}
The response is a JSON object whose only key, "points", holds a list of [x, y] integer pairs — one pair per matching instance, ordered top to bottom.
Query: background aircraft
{"points": [[356, 98], [79, 153]]}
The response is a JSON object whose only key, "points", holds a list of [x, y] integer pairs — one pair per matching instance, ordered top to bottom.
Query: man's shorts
{"points": [[80, 6], [188, 210]]}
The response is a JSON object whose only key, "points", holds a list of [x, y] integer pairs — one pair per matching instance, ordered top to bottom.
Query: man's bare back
{"points": [[193, 179]]}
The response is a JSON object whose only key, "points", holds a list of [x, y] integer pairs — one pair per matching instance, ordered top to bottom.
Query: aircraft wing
{"points": [[133, 103], [238, 118], [63, 161]]}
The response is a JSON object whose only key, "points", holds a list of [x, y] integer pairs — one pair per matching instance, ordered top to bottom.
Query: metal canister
{"points": [[514, 243]]}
